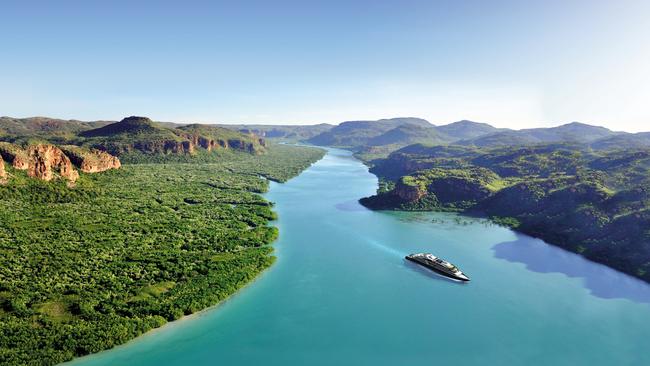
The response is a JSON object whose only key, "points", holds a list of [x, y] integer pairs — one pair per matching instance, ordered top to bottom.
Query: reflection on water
{"points": [[353, 205], [449, 221], [600, 280]]}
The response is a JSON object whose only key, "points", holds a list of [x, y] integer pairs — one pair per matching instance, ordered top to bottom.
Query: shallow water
{"points": [[342, 294]]}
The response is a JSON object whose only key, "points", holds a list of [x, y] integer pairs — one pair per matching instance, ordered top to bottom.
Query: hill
{"points": [[128, 126], [45, 127], [463, 130], [572, 132], [135, 134], [355, 134], [407, 134], [142, 135], [639, 140]]}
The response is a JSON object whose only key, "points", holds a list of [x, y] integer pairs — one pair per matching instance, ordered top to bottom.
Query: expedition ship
{"points": [[438, 265]]}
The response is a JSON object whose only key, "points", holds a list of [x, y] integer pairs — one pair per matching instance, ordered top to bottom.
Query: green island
{"points": [[90, 264]]}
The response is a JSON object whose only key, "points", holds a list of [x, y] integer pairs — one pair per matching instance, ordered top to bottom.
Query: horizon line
{"points": [[321, 123]]}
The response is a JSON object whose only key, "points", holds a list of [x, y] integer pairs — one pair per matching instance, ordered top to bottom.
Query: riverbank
{"points": [[124, 252]]}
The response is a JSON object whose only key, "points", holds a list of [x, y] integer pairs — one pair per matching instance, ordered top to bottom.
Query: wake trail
{"points": [[376, 244]]}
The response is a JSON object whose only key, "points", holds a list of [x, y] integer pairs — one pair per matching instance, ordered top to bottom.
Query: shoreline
{"points": [[533, 234], [203, 312], [178, 322]]}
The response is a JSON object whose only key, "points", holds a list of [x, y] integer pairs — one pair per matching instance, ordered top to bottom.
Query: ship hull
{"points": [[436, 270]]}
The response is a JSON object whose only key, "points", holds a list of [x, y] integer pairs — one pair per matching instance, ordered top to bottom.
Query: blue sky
{"points": [[514, 64]]}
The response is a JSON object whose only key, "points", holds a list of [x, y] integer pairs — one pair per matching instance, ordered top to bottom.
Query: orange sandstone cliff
{"points": [[46, 160], [91, 161], [3, 173]]}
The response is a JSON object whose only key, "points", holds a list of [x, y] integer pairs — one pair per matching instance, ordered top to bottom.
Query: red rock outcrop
{"points": [[203, 141], [15, 155], [44, 160], [91, 161], [103, 161], [3, 173]]}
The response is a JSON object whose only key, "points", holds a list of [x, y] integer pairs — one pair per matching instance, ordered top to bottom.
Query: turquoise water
{"points": [[342, 294]]}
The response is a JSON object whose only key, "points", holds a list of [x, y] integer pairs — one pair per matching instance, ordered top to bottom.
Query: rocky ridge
{"points": [[47, 162]]}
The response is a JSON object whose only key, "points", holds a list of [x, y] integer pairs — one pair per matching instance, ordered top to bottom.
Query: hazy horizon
{"points": [[511, 64], [437, 124]]}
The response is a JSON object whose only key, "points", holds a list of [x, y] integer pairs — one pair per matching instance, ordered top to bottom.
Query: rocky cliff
{"points": [[212, 137], [205, 142], [15, 155], [46, 160], [91, 161], [3, 173], [405, 193]]}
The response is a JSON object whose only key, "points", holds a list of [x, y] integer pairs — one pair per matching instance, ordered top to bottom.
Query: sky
{"points": [[515, 64]]}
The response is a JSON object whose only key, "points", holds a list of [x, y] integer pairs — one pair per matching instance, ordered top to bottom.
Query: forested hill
{"points": [[132, 135], [377, 139], [595, 203], [84, 268]]}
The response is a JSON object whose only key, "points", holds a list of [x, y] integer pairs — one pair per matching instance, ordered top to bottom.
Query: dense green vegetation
{"points": [[590, 202], [86, 268]]}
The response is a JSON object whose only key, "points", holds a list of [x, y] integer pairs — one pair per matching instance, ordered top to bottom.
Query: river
{"points": [[341, 293]]}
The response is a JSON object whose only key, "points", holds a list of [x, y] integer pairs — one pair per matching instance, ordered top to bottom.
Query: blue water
{"points": [[342, 294]]}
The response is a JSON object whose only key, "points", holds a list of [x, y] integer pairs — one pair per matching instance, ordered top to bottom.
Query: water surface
{"points": [[342, 294]]}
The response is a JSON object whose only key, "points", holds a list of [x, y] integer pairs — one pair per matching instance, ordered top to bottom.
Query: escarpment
{"points": [[214, 137], [204, 142], [91, 161]]}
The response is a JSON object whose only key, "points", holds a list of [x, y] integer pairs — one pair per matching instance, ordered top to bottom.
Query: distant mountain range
{"points": [[281, 132], [400, 132], [384, 135]]}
